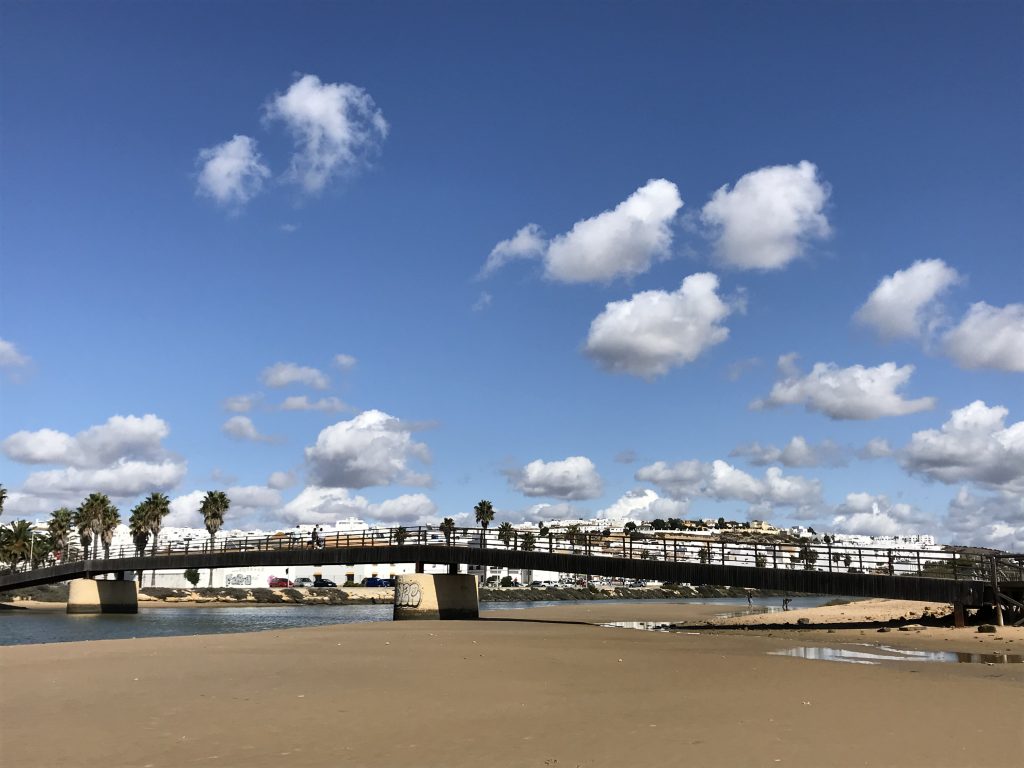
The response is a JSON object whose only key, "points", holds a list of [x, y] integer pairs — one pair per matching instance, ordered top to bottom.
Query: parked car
{"points": [[279, 581], [304, 581], [373, 581], [387, 582], [323, 583]]}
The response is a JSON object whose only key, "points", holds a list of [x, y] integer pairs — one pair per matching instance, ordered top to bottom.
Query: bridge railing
{"points": [[671, 546]]}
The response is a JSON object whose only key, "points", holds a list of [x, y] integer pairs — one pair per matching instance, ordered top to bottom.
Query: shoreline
{"points": [[152, 597]]}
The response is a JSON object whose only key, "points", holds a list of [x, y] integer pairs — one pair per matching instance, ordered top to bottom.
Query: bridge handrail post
{"points": [[775, 556]]}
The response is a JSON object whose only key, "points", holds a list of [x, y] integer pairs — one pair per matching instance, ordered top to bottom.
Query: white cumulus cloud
{"points": [[335, 127], [232, 173], [764, 221], [527, 243], [619, 243], [903, 305], [655, 331], [988, 337], [10, 357], [345, 362], [284, 374], [857, 392], [241, 403], [303, 403], [242, 428], [134, 437], [974, 445], [373, 448], [796, 453], [123, 478], [572, 478], [280, 480], [721, 481], [315, 504], [871, 515], [991, 520]]}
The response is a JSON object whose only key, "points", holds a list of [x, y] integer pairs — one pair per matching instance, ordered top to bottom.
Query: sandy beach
{"points": [[534, 687]]}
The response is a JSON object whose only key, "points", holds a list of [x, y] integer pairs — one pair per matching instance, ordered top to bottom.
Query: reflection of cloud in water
{"points": [[882, 653]]}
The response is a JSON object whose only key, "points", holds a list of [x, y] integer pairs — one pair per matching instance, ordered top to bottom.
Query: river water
{"points": [[31, 626]]}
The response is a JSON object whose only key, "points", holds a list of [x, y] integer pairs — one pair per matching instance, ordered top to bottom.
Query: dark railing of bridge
{"points": [[662, 546]]}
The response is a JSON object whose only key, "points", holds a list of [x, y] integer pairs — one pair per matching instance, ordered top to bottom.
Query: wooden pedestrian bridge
{"points": [[960, 576]]}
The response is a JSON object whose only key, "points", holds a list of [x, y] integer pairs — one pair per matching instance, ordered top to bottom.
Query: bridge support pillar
{"points": [[92, 596], [436, 596]]}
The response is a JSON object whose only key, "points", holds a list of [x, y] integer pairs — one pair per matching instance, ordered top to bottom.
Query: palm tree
{"points": [[214, 505], [157, 506], [484, 515], [89, 520], [109, 521], [138, 527], [60, 528], [447, 528], [546, 531], [505, 533], [401, 534], [529, 542], [17, 544]]}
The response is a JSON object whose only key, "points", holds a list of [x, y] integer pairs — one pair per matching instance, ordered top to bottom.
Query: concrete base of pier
{"points": [[92, 596], [436, 596]]}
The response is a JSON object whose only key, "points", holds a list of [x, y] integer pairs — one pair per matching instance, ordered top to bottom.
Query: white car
{"points": [[305, 581]]}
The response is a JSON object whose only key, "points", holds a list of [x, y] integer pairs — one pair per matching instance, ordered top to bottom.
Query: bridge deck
{"points": [[906, 587]]}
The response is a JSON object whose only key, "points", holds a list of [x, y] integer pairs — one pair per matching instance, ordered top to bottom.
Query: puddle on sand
{"points": [[649, 626], [877, 654]]}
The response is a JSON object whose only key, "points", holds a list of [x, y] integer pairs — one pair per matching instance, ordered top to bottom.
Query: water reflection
{"points": [[878, 654]]}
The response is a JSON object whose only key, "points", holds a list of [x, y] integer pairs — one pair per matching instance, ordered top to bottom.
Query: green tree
{"points": [[157, 506], [213, 507], [484, 512], [88, 520], [109, 520], [81, 523], [658, 524], [138, 527], [448, 529], [60, 530], [546, 532], [505, 533], [401, 534], [574, 535], [529, 542], [17, 543], [41, 549], [704, 554], [808, 556], [760, 561], [192, 576], [506, 581]]}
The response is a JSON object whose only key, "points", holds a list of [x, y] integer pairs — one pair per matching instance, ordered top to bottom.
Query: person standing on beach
{"points": [[750, 601]]}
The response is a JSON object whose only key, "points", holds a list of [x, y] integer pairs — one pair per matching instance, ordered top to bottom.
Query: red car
{"points": [[278, 581]]}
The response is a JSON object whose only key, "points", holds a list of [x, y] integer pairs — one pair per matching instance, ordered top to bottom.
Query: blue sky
{"points": [[193, 194]]}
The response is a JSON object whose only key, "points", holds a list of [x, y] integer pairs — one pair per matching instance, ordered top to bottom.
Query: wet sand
{"points": [[536, 687]]}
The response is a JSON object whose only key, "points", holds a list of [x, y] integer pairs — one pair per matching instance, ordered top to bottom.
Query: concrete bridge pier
{"points": [[97, 596], [436, 596]]}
